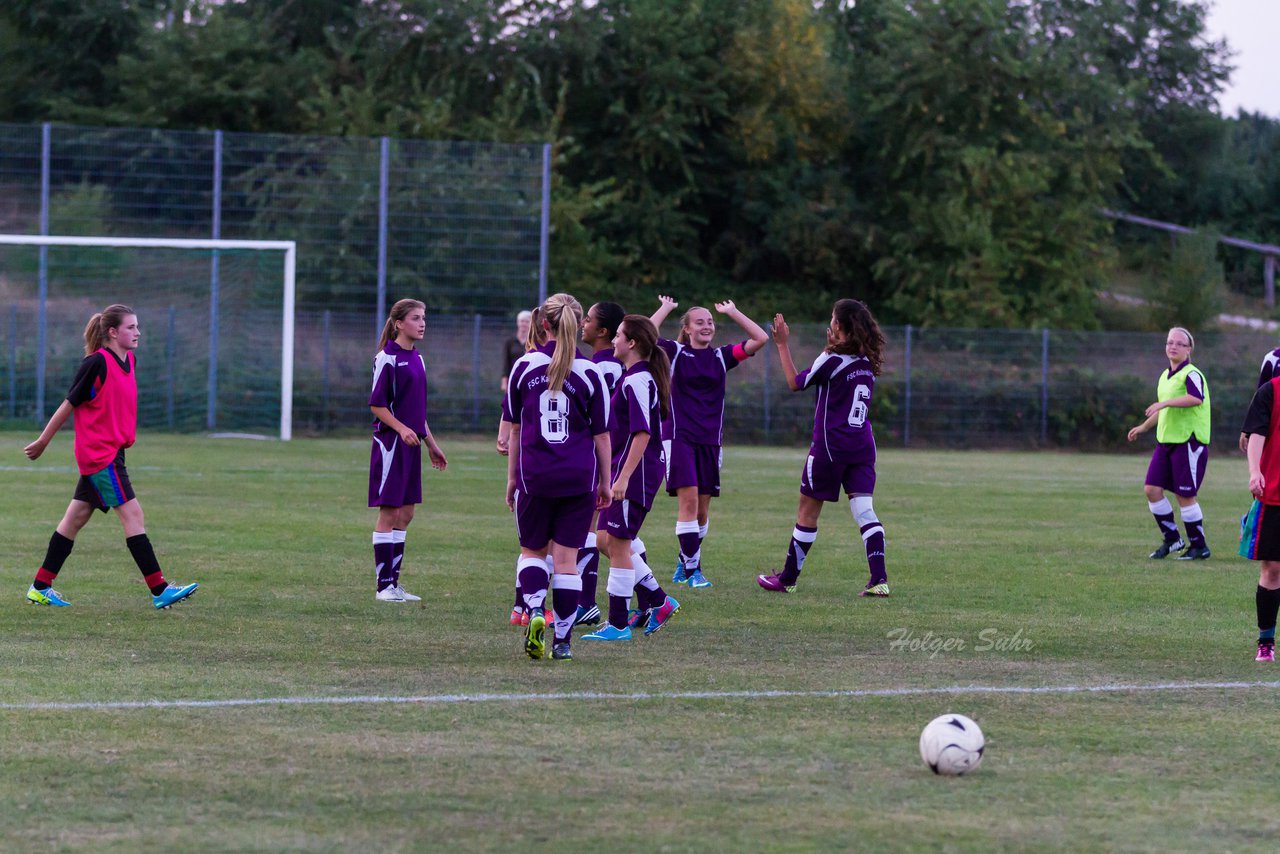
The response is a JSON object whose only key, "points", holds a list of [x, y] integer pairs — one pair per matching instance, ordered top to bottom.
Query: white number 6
{"points": [[858, 412]]}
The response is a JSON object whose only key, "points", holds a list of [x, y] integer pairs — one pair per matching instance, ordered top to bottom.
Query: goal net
{"points": [[217, 321]]}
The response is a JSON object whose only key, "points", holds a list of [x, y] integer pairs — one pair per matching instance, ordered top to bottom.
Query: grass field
{"points": [[752, 722]]}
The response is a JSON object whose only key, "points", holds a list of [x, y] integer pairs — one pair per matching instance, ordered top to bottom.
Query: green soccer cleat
{"points": [[879, 591], [172, 595], [48, 596], [535, 644]]}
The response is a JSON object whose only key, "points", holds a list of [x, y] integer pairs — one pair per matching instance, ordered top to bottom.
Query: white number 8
{"points": [[554, 409], [858, 412]]}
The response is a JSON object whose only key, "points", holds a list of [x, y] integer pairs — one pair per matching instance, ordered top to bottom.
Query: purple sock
{"points": [[802, 539], [873, 539], [690, 547], [397, 554], [383, 555], [589, 571], [533, 581], [564, 597], [618, 608]]}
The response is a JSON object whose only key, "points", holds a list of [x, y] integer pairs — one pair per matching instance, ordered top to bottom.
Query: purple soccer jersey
{"points": [[1270, 368], [610, 369], [400, 384], [697, 389], [636, 408], [841, 426], [557, 448]]}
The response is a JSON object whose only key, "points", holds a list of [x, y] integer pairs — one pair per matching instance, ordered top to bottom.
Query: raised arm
{"points": [[667, 305], [757, 336], [782, 337]]}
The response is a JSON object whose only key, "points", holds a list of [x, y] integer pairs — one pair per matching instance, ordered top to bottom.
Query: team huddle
{"points": [[589, 442]]}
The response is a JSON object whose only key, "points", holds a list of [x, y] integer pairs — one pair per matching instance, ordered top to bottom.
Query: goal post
{"points": [[125, 274]]}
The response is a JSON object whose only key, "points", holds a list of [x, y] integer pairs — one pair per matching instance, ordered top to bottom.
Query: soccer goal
{"points": [[217, 318]]}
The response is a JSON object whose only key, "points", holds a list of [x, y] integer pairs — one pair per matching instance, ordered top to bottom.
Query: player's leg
{"points": [[707, 460], [1189, 464], [1159, 478], [864, 516], [571, 521], [399, 530], [803, 537], [690, 544], [384, 547], [588, 561], [618, 583], [41, 591], [163, 594], [1267, 602]]}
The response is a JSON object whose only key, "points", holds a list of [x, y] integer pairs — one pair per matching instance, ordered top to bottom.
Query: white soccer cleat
{"points": [[389, 594], [407, 596]]}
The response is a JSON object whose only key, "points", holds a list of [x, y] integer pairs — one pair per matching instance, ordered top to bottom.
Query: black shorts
{"points": [[107, 488]]}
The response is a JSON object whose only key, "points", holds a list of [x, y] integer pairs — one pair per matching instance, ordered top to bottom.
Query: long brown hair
{"points": [[399, 311], [563, 314], [641, 330], [95, 332], [537, 334], [862, 335]]}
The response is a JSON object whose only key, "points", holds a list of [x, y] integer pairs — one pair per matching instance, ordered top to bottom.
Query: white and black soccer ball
{"points": [[952, 745]]}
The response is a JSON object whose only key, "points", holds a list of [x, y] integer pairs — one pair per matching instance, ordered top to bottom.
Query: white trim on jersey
{"points": [[641, 388]]}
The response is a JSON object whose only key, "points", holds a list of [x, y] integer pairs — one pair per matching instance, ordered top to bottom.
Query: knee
{"points": [[1153, 493], [864, 513], [406, 515], [1269, 577]]}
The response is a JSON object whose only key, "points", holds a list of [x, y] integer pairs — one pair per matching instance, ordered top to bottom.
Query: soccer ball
{"points": [[952, 745]]}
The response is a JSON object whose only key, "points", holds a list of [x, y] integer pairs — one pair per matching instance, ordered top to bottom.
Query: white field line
{"points": [[638, 696]]}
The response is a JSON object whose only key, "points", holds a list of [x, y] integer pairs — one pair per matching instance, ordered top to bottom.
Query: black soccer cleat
{"points": [[1167, 547], [1201, 553]]}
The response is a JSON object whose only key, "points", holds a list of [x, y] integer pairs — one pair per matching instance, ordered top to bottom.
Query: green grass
{"points": [[1046, 548]]}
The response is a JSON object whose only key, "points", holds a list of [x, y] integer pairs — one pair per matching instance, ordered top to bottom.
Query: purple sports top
{"points": [[610, 368], [1270, 368], [400, 384], [697, 390], [636, 409], [841, 423], [557, 448]]}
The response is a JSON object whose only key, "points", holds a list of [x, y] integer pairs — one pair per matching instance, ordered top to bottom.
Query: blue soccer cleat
{"points": [[678, 577], [697, 580], [172, 595], [48, 596], [661, 615], [610, 633]]}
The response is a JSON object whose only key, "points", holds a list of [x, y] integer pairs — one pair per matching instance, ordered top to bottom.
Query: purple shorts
{"points": [[691, 464], [1179, 468], [395, 472], [822, 479], [566, 519], [622, 519]]}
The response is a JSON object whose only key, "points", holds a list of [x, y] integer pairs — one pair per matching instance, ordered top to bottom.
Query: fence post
{"points": [[384, 156], [544, 239], [1269, 280], [42, 316], [170, 348], [13, 361], [324, 373], [475, 373], [1044, 387], [906, 393], [211, 405]]}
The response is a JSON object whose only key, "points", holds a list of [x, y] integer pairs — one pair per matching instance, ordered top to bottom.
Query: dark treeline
{"points": [[944, 159]]}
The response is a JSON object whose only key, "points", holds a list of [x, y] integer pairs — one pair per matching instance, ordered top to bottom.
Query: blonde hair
{"points": [[399, 311], [563, 314], [95, 332], [537, 335], [683, 336], [1191, 342]]}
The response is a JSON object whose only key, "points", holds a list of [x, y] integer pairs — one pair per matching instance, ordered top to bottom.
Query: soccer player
{"points": [[599, 328], [536, 338], [1270, 370], [698, 372], [103, 401], [398, 402], [639, 404], [1181, 418], [843, 450], [557, 471], [1260, 529]]}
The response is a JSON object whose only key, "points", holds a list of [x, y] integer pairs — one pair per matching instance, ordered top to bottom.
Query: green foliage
{"points": [[1186, 290]]}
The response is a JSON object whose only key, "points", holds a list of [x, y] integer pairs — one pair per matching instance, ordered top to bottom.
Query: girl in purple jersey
{"points": [[599, 328], [537, 337], [698, 373], [398, 402], [640, 402], [843, 452], [557, 471]]}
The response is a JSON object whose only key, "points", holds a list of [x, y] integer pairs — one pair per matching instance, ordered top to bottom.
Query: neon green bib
{"points": [[1178, 424]]}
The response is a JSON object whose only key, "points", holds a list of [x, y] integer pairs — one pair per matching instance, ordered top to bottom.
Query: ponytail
{"points": [[564, 314], [641, 330], [95, 331], [537, 333]]}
